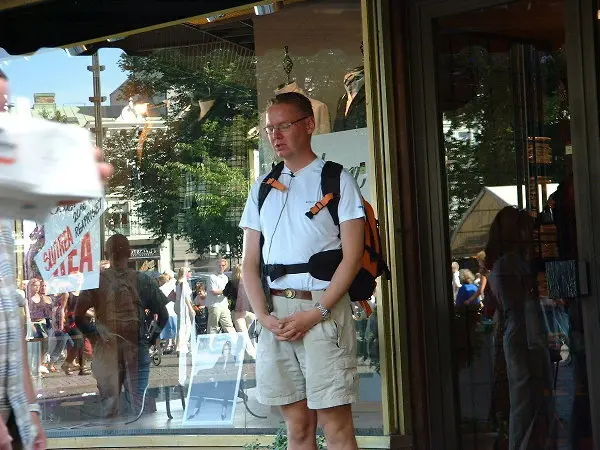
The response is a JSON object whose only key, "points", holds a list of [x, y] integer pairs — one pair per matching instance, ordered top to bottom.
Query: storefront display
{"points": [[215, 97], [453, 111]]}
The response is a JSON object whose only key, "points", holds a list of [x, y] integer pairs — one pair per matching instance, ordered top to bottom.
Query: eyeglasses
{"points": [[270, 129]]}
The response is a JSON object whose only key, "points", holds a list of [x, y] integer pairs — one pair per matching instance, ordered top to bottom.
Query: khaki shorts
{"points": [[321, 367]]}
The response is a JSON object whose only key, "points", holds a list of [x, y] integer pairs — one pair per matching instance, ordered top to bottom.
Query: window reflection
{"points": [[182, 129], [518, 335]]}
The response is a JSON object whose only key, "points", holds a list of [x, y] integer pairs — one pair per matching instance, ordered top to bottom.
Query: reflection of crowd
{"points": [[50, 322]]}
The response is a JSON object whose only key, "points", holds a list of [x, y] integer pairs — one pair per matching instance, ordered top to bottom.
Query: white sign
{"points": [[350, 149], [70, 258], [215, 380]]}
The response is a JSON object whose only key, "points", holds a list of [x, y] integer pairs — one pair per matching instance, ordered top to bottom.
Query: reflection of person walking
{"points": [[509, 255], [216, 302], [184, 310], [243, 314], [186, 333], [121, 355]]}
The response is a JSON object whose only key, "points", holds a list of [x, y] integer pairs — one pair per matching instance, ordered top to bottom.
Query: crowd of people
{"points": [[50, 319]]}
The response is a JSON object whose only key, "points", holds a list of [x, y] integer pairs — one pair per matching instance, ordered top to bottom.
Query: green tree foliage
{"points": [[488, 158], [192, 179], [152, 182], [214, 208]]}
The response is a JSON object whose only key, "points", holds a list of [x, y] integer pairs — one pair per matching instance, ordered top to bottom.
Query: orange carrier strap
{"points": [[275, 184], [319, 206], [366, 306]]}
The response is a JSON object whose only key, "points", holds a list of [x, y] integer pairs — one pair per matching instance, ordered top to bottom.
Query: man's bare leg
{"points": [[301, 425], [338, 427]]}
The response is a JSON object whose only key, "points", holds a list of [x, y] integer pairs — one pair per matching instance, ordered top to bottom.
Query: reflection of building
{"points": [[145, 252]]}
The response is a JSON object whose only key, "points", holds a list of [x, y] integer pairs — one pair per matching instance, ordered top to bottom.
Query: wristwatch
{"points": [[325, 313]]}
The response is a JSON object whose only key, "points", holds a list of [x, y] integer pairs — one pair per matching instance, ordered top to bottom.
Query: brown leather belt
{"points": [[292, 293]]}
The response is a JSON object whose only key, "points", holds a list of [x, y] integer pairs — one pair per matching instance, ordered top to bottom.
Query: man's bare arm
{"points": [[353, 247], [251, 273]]}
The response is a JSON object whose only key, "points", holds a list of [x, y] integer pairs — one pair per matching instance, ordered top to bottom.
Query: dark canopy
{"points": [[28, 25]]}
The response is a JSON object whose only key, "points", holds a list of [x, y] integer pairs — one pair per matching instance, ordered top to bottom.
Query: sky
{"points": [[66, 76]]}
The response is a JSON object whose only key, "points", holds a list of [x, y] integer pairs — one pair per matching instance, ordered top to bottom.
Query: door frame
{"points": [[582, 48], [431, 192]]}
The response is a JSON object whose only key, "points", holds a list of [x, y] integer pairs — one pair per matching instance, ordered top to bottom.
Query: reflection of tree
{"points": [[489, 158], [192, 179]]}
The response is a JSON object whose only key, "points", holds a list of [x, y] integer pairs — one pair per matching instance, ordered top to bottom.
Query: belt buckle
{"points": [[289, 293]]}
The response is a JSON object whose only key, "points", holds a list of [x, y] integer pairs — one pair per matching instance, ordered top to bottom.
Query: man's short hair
{"points": [[3, 75], [299, 101], [118, 246]]}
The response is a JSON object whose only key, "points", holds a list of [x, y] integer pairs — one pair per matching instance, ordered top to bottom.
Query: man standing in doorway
{"points": [[216, 302], [306, 356]]}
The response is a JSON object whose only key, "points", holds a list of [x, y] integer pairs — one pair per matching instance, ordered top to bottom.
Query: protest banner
{"points": [[70, 257]]}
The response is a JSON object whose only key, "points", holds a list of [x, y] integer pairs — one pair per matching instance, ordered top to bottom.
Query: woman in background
{"points": [[510, 258], [184, 309], [40, 311], [242, 313], [59, 315], [169, 332], [186, 333]]}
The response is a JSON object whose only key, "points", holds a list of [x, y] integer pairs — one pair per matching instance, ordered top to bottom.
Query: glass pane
{"points": [[503, 98], [182, 126]]}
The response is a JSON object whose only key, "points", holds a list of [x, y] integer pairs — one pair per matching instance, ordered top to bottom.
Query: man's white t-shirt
{"points": [[290, 236], [216, 283]]}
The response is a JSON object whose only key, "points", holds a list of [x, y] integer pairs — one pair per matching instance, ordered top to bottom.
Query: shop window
{"points": [[183, 131]]}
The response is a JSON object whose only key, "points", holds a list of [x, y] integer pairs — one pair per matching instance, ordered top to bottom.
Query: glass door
{"points": [[503, 159]]}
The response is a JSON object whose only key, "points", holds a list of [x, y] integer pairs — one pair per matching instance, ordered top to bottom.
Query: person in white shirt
{"points": [[456, 284], [167, 285], [216, 302], [306, 357]]}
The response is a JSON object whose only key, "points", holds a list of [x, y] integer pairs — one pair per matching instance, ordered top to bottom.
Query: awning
{"points": [[28, 25], [471, 234]]}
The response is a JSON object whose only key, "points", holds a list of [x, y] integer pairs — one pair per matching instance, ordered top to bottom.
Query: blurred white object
{"points": [[43, 163]]}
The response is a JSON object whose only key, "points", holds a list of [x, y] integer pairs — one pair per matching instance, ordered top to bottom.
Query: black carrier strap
{"points": [[330, 184], [265, 188], [263, 191], [275, 271]]}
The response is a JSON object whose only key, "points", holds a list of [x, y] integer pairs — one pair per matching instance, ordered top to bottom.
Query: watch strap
{"points": [[325, 313]]}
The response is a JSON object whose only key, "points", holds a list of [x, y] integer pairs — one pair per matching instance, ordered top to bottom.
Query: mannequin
{"points": [[351, 111], [322, 125]]}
